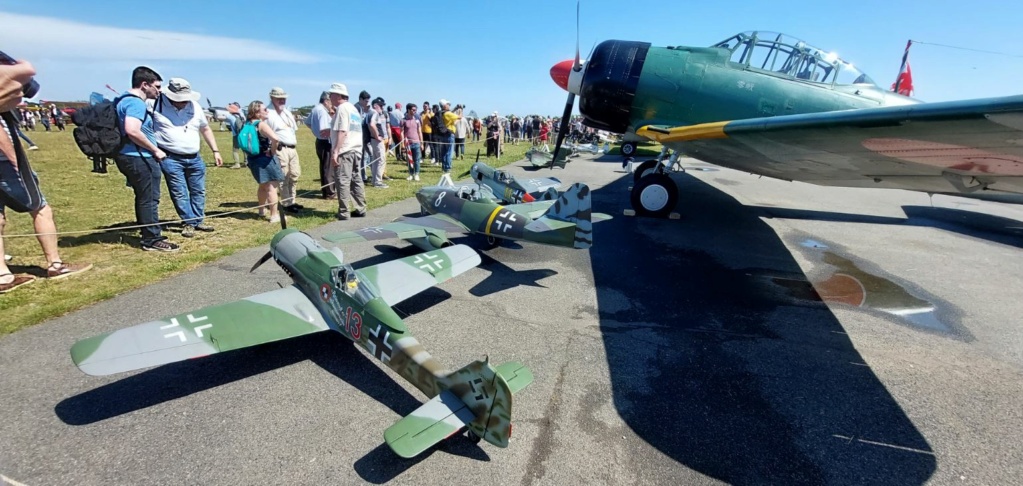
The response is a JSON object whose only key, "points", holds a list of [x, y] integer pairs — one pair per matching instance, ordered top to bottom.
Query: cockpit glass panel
{"points": [[787, 56]]}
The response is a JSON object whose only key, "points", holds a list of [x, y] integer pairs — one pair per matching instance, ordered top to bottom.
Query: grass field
{"points": [[92, 206]]}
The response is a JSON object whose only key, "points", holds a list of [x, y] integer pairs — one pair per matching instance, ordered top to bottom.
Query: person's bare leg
{"points": [[261, 199], [271, 199], [46, 233], [3, 263]]}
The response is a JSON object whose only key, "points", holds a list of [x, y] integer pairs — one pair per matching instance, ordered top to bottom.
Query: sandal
{"points": [[59, 270], [19, 280]]}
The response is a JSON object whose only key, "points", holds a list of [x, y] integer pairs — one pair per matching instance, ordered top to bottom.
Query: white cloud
{"points": [[77, 41]]}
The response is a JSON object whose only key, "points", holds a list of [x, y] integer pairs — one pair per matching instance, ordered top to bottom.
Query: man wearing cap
{"points": [[178, 120], [319, 123], [284, 126], [447, 145], [346, 153]]}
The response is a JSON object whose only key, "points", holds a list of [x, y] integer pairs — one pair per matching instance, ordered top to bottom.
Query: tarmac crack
{"points": [[543, 445]]}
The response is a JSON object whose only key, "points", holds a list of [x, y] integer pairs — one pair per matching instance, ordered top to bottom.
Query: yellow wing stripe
{"points": [[680, 134], [490, 220]]}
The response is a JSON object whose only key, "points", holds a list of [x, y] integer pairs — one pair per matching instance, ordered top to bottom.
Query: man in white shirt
{"points": [[178, 121], [319, 123], [283, 124], [346, 153]]}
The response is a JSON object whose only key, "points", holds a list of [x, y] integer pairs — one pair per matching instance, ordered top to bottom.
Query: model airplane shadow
{"points": [[988, 227], [165, 383], [743, 385], [380, 466]]}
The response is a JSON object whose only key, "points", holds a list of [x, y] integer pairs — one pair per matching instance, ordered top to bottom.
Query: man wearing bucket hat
{"points": [[279, 119], [178, 121], [346, 153]]}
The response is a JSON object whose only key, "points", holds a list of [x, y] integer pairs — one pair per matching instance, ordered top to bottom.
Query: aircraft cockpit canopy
{"points": [[791, 57]]}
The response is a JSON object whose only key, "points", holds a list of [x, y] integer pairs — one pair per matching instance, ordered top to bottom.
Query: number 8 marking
{"points": [[439, 198]]}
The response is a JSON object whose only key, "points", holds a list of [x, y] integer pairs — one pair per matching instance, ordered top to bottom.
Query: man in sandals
{"points": [[23, 195]]}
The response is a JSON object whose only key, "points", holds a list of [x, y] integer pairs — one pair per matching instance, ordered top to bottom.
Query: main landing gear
{"points": [[629, 149], [654, 194]]}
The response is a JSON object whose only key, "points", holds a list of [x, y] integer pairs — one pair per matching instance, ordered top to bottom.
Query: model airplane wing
{"points": [[961, 147], [538, 184], [403, 228], [398, 280], [271, 316]]}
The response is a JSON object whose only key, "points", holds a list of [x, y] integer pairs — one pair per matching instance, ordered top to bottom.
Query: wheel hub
{"points": [[654, 197]]}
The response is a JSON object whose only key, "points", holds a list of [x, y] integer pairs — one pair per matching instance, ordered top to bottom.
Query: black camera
{"points": [[29, 89]]}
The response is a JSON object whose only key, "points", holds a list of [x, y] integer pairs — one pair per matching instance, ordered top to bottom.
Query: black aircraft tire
{"points": [[628, 148], [643, 170], [655, 195]]}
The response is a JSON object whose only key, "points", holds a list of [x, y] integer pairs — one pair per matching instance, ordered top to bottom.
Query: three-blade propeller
{"points": [[269, 254]]}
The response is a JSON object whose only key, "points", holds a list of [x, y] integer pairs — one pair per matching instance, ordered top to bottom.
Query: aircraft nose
{"points": [[560, 73]]}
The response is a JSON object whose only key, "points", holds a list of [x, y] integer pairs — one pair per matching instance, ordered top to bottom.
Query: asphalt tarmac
{"points": [[776, 333]]}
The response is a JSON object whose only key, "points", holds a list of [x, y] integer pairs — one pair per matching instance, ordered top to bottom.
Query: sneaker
{"points": [[34, 147], [235, 166], [417, 177], [409, 178], [381, 185], [293, 209], [359, 214], [342, 217], [275, 219], [204, 228], [187, 231], [162, 245], [7, 257], [59, 270], [19, 280]]}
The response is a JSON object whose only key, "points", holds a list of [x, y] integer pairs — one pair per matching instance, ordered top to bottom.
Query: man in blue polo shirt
{"points": [[140, 158]]}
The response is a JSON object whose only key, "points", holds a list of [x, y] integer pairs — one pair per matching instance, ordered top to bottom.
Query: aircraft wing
{"points": [[970, 148], [538, 184], [531, 209], [403, 228], [397, 280], [271, 316]]}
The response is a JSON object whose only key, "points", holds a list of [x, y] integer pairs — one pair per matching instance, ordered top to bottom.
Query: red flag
{"points": [[904, 82]]}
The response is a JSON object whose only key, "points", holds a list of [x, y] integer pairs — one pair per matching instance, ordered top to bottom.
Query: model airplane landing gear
{"points": [[628, 148], [654, 195]]}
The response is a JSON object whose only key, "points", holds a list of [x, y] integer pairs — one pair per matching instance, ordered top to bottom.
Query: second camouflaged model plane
{"points": [[509, 189], [566, 221], [328, 294]]}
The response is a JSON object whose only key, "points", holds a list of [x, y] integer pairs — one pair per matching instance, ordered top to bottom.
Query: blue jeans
{"points": [[25, 138], [447, 148], [417, 157], [143, 175], [186, 181], [14, 190]]}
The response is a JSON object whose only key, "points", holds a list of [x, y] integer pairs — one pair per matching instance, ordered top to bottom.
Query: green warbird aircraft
{"points": [[773, 105], [509, 189], [566, 221], [328, 294]]}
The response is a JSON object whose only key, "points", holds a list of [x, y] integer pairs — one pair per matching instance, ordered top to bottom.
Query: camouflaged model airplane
{"points": [[509, 189], [566, 221], [329, 294]]}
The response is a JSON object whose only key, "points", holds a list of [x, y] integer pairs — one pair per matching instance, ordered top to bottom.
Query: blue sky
{"points": [[490, 56]]}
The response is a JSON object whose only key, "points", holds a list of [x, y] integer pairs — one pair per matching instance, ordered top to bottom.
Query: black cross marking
{"points": [[381, 348], [482, 392]]}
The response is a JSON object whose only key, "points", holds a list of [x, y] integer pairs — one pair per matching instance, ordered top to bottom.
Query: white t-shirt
{"points": [[347, 119], [283, 124], [178, 130]]}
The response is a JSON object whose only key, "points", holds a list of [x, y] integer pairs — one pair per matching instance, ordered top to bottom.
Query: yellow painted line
{"points": [[702, 131], [490, 220]]}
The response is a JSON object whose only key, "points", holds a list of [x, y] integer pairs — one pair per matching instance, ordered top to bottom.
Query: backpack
{"points": [[438, 126], [98, 128], [248, 138]]}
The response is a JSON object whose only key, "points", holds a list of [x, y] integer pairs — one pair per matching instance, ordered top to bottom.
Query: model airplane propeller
{"points": [[329, 294]]}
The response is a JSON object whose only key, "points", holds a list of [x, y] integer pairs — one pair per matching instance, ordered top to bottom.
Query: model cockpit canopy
{"points": [[790, 57]]}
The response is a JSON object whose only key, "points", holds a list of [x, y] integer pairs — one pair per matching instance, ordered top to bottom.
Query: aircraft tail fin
{"points": [[572, 206], [478, 396]]}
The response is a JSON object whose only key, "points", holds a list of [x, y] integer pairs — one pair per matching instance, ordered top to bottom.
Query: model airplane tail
{"points": [[570, 213], [478, 396]]}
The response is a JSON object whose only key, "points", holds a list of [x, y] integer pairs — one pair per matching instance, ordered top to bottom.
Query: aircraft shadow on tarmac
{"points": [[988, 227], [728, 376]]}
